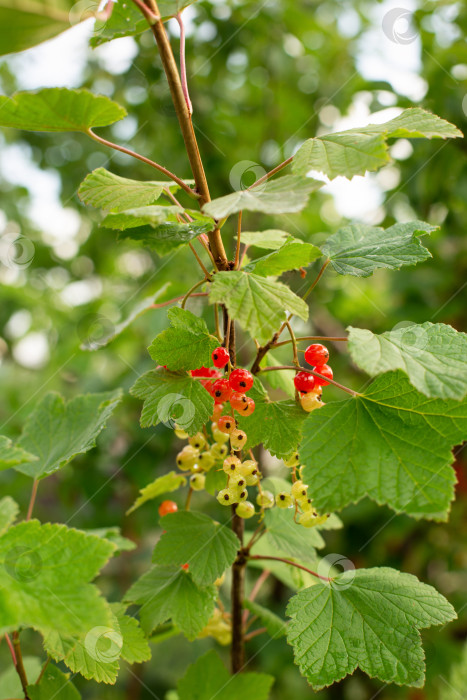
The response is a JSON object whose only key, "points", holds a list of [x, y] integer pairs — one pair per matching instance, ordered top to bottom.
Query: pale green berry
{"points": [[182, 434], [218, 435], [237, 439], [198, 441], [219, 451], [187, 457], [206, 461], [292, 461], [231, 465], [249, 466], [252, 479], [237, 481], [197, 482], [299, 489], [242, 495], [227, 497], [265, 499], [284, 500], [305, 504], [245, 510], [308, 519]]}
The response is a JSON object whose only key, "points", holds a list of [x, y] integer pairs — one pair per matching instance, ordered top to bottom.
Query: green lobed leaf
{"points": [[30, 22], [58, 109], [355, 151], [105, 190], [284, 195], [152, 216], [167, 237], [271, 239], [359, 250], [292, 255], [257, 303], [101, 332], [186, 345], [433, 355], [173, 398], [275, 424], [59, 431], [390, 443], [12, 455], [163, 484], [9, 510], [196, 539], [46, 577], [169, 593], [368, 618], [275, 625], [135, 648], [208, 679], [10, 684], [53, 684]]}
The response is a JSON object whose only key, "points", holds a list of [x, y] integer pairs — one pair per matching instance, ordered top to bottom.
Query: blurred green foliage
{"points": [[263, 77]]}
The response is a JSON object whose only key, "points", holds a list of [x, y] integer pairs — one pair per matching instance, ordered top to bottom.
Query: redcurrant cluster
{"points": [[308, 385], [232, 388]]}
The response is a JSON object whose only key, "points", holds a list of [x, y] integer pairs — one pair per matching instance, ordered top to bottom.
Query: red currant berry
{"points": [[316, 354], [220, 357], [326, 371], [205, 372], [241, 380], [304, 381], [208, 384], [221, 390], [238, 401], [248, 409], [217, 412], [226, 424], [167, 507]]}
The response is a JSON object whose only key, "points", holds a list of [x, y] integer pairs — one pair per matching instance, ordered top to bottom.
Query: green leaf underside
{"points": [[126, 20], [30, 23], [58, 109], [355, 151], [105, 190], [284, 195], [152, 216], [167, 237], [271, 239], [359, 250], [292, 255], [257, 303], [101, 332], [186, 345], [433, 355], [278, 380], [170, 398], [275, 424], [57, 431], [391, 443], [12, 455], [163, 484], [9, 510], [289, 537], [209, 549], [46, 577], [169, 593], [368, 618], [276, 626], [96, 655], [208, 679], [10, 684], [53, 684], [454, 688]]}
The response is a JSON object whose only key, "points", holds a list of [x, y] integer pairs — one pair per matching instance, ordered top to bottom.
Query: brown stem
{"points": [[183, 63], [188, 132], [148, 161], [272, 172], [239, 232], [199, 261], [317, 279], [190, 292], [315, 374], [188, 499], [32, 500], [291, 563], [255, 633], [237, 652], [19, 665], [43, 669]]}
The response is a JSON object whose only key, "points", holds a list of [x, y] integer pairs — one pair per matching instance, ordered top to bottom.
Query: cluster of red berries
{"points": [[308, 385], [232, 388]]}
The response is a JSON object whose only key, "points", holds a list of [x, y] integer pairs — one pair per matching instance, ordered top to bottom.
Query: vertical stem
{"points": [[183, 63], [35, 484], [237, 652], [19, 665]]}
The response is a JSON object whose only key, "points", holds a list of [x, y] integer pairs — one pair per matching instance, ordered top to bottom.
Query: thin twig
{"points": [[149, 15], [183, 63], [153, 164], [272, 172], [239, 232], [200, 262], [318, 277], [190, 292], [172, 301], [216, 322], [294, 345], [315, 374], [188, 499], [32, 500], [291, 563], [255, 633], [11, 648], [21, 671], [41, 674]]}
